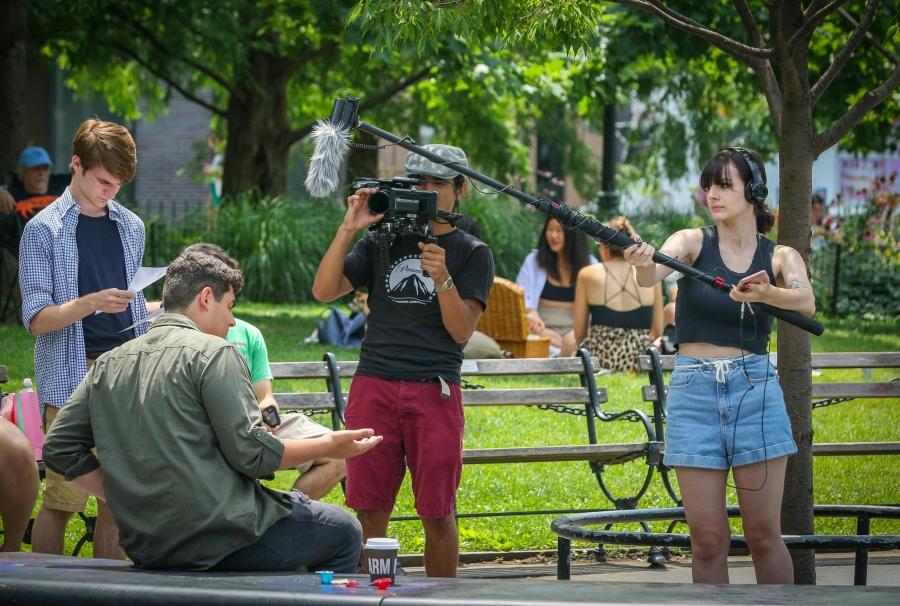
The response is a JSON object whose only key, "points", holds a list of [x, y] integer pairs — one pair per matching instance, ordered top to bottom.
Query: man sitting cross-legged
{"points": [[180, 445]]}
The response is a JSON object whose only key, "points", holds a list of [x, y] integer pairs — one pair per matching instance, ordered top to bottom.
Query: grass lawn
{"points": [[866, 480]]}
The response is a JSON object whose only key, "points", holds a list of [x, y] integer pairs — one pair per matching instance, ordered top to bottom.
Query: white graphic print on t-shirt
{"points": [[406, 284]]}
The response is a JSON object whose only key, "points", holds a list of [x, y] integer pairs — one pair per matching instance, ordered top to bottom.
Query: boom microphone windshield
{"points": [[332, 141]]}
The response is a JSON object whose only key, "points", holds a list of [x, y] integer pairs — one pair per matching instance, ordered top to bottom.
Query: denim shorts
{"points": [[725, 412]]}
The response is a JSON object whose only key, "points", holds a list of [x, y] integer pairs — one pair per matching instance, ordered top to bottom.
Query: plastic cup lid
{"points": [[382, 543]]}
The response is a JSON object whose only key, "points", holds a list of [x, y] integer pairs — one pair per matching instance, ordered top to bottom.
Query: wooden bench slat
{"points": [[862, 359], [471, 368], [825, 390], [856, 390], [471, 397], [529, 397], [305, 401], [855, 448], [605, 453]]}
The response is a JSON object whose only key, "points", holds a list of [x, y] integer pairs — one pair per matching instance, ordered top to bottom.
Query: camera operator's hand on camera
{"points": [[358, 215], [433, 261]]}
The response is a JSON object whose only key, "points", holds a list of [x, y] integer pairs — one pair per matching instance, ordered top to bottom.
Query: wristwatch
{"points": [[447, 285]]}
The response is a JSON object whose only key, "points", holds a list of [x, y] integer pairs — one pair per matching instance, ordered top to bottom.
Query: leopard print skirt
{"points": [[617, 348]]}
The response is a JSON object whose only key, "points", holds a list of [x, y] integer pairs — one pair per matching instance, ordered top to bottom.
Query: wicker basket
{"points": [[504, 321]]}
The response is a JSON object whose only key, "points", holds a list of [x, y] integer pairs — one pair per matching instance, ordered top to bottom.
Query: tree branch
{"points": [[749, 22], [812, 22], [878, 46], [738, 50], [166, 52], [844, 54], [762, 67], [166, 78], [772, 91], [370, 102], [840, 127]]}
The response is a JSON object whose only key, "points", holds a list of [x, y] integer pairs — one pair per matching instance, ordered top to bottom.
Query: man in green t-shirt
{"points": [[318, 476]]}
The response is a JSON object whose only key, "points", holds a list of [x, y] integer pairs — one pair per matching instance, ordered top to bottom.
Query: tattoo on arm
{"points": [[798, 284]]}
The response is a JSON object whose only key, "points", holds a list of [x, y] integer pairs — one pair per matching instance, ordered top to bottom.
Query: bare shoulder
{"points": [[684, 244], [591, 273]]}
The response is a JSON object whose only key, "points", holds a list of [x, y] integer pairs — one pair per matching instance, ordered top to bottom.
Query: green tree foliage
{"points": [[267, 70]]}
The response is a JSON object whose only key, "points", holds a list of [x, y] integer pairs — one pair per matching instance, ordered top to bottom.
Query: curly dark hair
{"points": [[575, 250], [193, 271]]}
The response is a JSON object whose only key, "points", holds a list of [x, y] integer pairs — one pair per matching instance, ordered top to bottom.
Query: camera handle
{"points": [[427, 234]]}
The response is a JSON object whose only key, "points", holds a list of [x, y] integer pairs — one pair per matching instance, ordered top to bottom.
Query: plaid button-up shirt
{"points": [[48, 275]]}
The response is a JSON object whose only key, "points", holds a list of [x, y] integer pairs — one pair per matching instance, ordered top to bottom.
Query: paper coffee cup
{"points": [[381, 557]]}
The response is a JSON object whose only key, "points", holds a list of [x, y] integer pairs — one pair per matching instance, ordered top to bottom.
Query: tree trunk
{"points": [[12, 83], [256, 152], [794, 358]]}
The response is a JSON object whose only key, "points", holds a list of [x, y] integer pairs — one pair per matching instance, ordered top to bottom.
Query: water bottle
{"points": [[26, 384]]}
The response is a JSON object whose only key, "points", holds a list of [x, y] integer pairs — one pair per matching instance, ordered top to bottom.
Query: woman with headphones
{"points": [[726, 409]]}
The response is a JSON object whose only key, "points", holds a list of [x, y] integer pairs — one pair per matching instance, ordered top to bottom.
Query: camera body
{"points": [[399, 203]]}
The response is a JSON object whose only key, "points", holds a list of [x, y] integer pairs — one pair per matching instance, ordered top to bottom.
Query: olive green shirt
{"points": [[177, 430]]}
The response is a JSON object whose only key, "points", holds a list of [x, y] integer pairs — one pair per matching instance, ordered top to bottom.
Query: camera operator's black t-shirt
{"points": [[405, 335]]}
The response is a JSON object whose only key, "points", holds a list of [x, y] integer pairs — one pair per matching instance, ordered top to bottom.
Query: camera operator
{"points": [[423, 309]]}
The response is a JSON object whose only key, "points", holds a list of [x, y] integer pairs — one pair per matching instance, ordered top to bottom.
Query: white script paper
{"points": [[144, 277]]}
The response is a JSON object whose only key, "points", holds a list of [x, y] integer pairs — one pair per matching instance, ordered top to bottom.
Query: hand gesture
{"points": [[7, 202], [358, 215], [640, 254], [433, 261], [752, 291], [111, 300], [535, 322], [349, 443]]}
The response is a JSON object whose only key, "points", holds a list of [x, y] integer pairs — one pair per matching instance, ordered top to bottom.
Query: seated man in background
{"points": [[36, 188], [179, 445], [317, 476]]}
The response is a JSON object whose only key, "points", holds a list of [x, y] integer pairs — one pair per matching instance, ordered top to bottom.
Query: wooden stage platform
{"points": [[33, 579]]}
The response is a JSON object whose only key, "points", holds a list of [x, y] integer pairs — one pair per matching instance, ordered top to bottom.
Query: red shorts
{"points": [[420, 430]]}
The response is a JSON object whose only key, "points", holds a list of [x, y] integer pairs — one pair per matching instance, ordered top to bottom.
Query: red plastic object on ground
{"points": [[383, 583]]}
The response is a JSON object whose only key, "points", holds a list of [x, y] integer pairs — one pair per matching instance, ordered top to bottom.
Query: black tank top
{"points": [[551, 292], [705, 315], [641, 317]]}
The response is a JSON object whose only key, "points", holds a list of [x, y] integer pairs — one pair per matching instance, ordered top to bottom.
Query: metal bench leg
{"points": [[89, 524], [861, 561], [564, 563]]}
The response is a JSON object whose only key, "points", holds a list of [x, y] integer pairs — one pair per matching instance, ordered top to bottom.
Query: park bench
{"points": [[823, 394], [585, 400]]}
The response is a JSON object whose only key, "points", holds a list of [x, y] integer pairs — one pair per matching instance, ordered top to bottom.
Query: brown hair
{"points": [[108, 145], [623, 225], [193, 271]]}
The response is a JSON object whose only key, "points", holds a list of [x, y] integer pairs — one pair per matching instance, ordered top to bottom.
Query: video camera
{"points": [[399, 202], [406, 210]]}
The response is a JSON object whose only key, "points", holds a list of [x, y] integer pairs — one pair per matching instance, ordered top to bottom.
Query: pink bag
{"points": [[23, 410]]}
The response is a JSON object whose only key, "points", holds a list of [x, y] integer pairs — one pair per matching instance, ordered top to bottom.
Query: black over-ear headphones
{"points": [[755, 189]]}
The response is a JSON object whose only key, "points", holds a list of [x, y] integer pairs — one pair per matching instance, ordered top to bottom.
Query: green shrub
{"points": [[868, 272]]}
